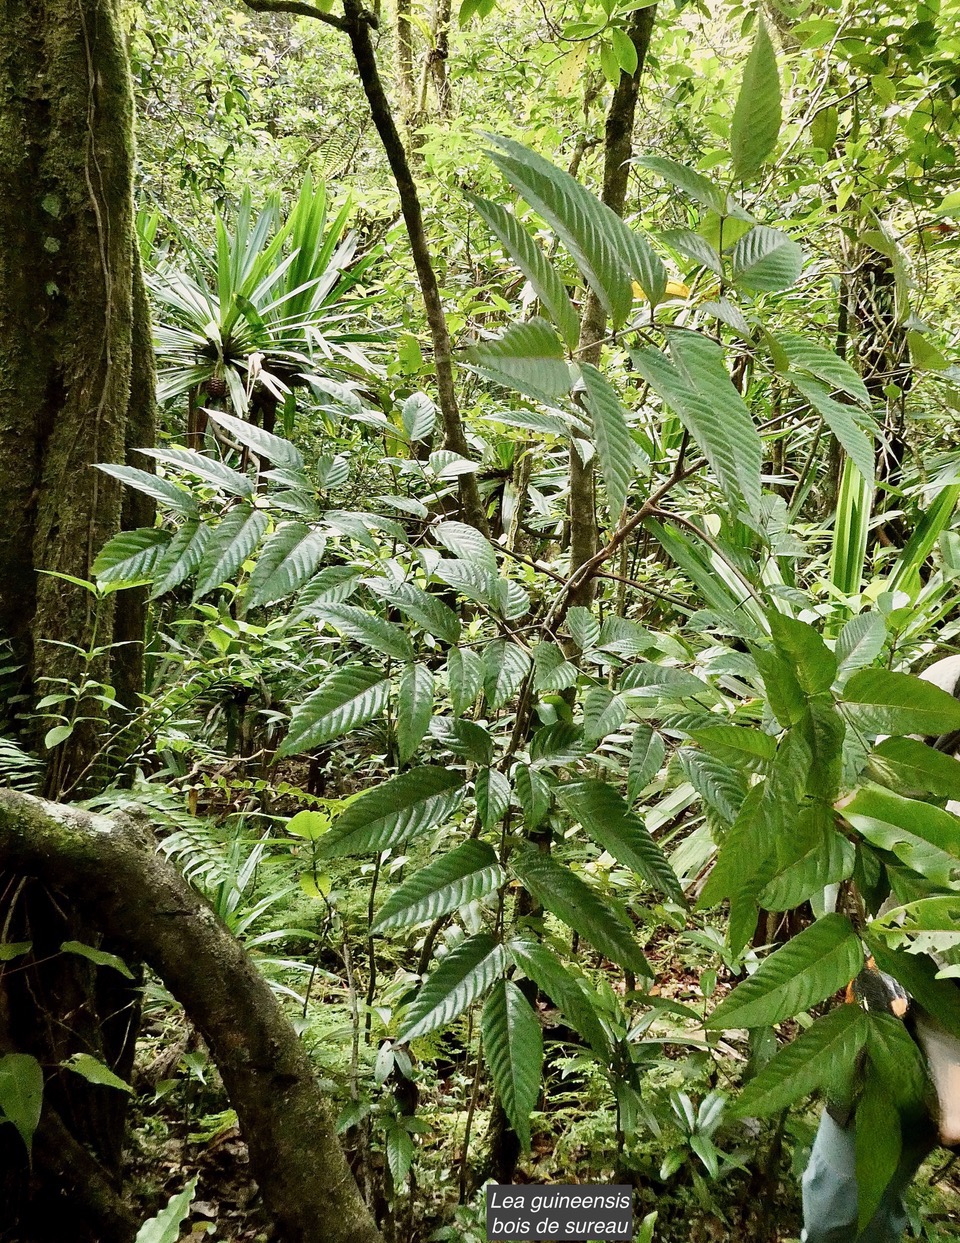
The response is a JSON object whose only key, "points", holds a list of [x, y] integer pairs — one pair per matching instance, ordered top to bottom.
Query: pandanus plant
{"points": [[244, 325]]}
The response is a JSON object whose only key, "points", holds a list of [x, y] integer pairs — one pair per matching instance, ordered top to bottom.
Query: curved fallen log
{"points": [[110, 868]]}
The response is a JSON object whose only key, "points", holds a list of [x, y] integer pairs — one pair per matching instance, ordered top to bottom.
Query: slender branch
{"points": [[299, 8]]}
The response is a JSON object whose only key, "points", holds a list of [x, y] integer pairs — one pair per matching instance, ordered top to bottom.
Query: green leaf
{"points": [[624, 50], [757, 116], [701, 189], [694, 246], [606, 251], [766, 260], [535, 266], [806, 355], [529, 357], [710, 408], [419, 416], [842, 421], [611, 436], [265, 445], [223, 478], [165, 493], [466, 543], [230, 544], [131, 556], [182, 557], [289, 559], [331, 586], [425, 609], [382, 637], [860, 642], [814, 664], [505, 665], [465, 675], [345, 699], [882, 702], [414, 709], [603, 713], [54, 737], [646, 759], [915, 768], [720, 785], [533, 793], [493, 796], [395, 812], [308, 824], [612, 825], [919, 834], [465, 874], [570, 899], [938, 914], [100, 957], [817, 963], [461, 979], [574, 996], [513, 1048], [824, 1057], [898, 1061], [94, 1071], [21, 1093], [878, 1146], [400, 1152], [166, 1226]]}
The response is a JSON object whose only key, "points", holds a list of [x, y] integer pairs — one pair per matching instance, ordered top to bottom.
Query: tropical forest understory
{"points": [[478, 489]]}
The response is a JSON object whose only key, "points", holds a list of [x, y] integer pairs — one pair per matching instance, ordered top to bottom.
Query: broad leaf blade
{"points": [[757, 116], [611, 436], [345, 699], [883, 702], [414, 709], [395, 812], [465, 874], [817, 963], [461, 979], [513, 1047]]}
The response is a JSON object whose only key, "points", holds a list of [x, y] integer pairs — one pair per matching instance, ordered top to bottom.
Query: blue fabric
{"points": [[830, 1188]]}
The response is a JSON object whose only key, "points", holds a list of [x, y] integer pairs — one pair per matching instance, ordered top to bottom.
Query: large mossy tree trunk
{"points": [[76, 388], [111, 868]]}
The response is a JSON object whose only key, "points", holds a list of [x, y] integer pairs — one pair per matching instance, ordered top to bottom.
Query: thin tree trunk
{"points": [[405, 75], [617, 149], [112, 870]]}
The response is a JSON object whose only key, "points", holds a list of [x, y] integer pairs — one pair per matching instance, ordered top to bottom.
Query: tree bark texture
{"points": [[358, 29], [617, 149], [70, 327], [111, 869]]}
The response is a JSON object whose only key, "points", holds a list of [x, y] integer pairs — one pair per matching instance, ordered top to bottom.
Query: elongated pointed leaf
{"points": [[757, 116], [604, 248], [766, 260], [535, 266], [806, 355], [528, 357], [698, 388], [842, 422], [265, 445], [615, 446], [206, 468], [165, 493], [466, 543], [229, 545], [131, 556], [182, 557], [289, 559], [420, 606], [371, 631], [860, 642], [504, 667], [465, 675], [345, 699], [883, 702], [414, 709], [646, 759], [914, 768], [533, 794], [493, 796], [395, 812], [612, 825], [922, 836], [465, 874], [570, 899], [817, 963], [461, 979], [573, 995], [513, 1048], [822, 1057], [21, 1093], [878, 1146]]}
